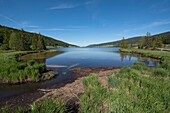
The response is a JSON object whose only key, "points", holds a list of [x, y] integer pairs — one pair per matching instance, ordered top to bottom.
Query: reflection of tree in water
{"points": [[124, 55], [130, 56], [40, 57], [143, 60], [148, 61]]}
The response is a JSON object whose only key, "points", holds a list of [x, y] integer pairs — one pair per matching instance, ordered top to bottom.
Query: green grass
{"points": [[14, 71], [136, 89], [131, 90], [93, 99], [48, 106]]}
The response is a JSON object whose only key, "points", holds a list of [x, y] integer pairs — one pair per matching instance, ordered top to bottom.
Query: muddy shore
{"points": [[70, 92]]}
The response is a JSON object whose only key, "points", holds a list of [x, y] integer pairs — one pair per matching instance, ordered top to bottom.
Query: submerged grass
{"points": [[14, 71]]}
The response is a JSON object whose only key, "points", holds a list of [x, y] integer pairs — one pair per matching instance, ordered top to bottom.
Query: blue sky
{"points": [[84, 22]]}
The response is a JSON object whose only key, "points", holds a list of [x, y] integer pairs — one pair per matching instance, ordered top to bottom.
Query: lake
{"points": [[95, 57], [70, 58]]}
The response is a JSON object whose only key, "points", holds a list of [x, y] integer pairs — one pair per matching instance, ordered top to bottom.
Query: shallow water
{"points": [[71, 58]]}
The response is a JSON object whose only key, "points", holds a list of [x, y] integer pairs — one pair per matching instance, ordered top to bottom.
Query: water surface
{"points": [[70, 58]]}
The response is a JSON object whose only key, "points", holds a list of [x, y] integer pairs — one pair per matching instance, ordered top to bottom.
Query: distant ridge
{"points": [[133, 40], [49, 41]]}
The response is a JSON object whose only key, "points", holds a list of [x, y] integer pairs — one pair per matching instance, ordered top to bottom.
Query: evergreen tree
{"points": [[6, 37], [1, 38], [166, 39], [148, 41], [13, 42], [34, 42], [158, 42], [40, 43], [141, 43], [24, 44], [124, 44], [131, 44]]}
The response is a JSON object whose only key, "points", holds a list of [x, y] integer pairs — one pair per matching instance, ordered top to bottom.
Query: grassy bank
{"points": [[164, 56], [14, 71], [136, 89], [43, 106]]}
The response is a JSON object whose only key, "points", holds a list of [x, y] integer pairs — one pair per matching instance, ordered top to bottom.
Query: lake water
{"points": [[74, 57], [95, 57]]}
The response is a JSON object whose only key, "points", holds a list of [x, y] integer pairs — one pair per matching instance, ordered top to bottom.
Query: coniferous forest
{"points": [[14, 39]]}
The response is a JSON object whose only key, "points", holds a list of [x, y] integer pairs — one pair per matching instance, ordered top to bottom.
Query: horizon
{"points": [[82, 22]]}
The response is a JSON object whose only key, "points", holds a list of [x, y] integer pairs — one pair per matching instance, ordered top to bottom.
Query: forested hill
{"points": [[5, 33], [134, 40]]}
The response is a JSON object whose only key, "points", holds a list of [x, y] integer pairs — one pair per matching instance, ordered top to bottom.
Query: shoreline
{"points": [[163, 56], [45, 74], [44, 77], [73, 88]]}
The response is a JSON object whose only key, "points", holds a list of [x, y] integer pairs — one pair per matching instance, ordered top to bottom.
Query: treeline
{"points": [[15, 39], [20, 40], [133, 40], [147, 42]]}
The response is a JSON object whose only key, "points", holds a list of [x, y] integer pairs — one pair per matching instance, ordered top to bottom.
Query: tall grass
{"points": [[14, 71], [132, 91], [94, 99], [48, 106]]}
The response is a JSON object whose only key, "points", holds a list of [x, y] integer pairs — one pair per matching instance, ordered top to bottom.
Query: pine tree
{"points": [[6, 37], [1, 38], [148, 41], [13, 42], [34, 42], [158, 42], [40, 43], [141, 43], [124, 44], [131, 44], [24, 45]]}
